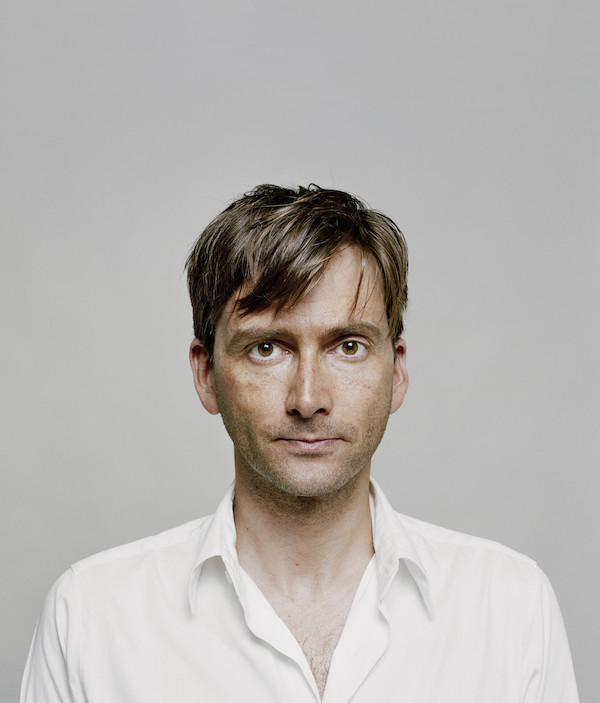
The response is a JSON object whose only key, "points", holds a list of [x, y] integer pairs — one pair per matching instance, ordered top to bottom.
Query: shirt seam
{"points": [[472, 542], [114, 554], [80, 644], [540, 687]]}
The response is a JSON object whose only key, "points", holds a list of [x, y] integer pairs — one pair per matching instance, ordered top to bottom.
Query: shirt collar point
{"points": [[396, 542]]}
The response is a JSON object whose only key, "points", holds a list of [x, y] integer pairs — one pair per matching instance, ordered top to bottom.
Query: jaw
{"points": [[299, 496]]}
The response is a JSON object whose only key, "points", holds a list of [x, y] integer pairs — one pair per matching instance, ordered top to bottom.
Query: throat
{"points": [[307, 563]]}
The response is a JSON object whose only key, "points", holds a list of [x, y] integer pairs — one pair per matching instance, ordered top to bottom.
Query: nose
{"points": [[309, 390]]}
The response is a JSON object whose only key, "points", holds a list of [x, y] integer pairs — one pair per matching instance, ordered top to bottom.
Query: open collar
{"points": [[393, 538], [217, 539], [395, 541]]}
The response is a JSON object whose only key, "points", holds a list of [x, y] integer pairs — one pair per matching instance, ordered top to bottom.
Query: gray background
{"points": [[127, 126]]}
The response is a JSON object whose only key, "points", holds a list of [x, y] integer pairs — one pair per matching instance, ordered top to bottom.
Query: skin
{"points": [[305, 395]]}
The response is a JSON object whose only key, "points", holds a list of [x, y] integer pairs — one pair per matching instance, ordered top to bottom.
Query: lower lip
{"points": [[309, 447]]}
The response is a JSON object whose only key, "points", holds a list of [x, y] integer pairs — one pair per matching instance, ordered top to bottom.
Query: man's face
{"points": [[305, 393]]}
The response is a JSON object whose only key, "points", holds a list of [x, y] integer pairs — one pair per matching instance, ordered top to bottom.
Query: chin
{"points": [[315, 483]]}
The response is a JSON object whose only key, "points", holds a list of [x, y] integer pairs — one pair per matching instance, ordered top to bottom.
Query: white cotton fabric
{"points": [[438, 617]]}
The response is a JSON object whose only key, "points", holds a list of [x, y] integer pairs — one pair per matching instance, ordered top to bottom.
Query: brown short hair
{"points": [[276, 242]]}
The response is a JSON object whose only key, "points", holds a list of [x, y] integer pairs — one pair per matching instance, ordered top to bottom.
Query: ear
{"points": [[202, 370], [400, 379]]}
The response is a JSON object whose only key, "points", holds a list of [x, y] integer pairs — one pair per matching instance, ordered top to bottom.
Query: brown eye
{"points": [[350, 347], [265, 349], [266, 352]]}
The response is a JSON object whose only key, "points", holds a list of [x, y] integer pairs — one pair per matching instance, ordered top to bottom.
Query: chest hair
{"points": [[317, 625]]}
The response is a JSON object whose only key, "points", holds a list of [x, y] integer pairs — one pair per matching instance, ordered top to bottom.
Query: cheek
{"points": [[366, 390], [244, 396]]}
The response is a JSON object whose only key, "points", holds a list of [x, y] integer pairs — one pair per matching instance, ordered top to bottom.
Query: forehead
{"points": [[348, 291]]}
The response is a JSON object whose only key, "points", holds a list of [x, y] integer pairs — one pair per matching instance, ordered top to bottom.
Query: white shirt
{"points": [[438, 617]]}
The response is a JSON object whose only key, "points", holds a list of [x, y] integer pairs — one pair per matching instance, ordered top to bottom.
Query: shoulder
{"points": [[445, 539], [180, 540], [454, 561], [474, 564], [125, 568], [486, 592], [99, 598]]}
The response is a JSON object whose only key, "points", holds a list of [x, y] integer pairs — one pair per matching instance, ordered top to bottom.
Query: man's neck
{"points": [[293, 543], [307, 555]]}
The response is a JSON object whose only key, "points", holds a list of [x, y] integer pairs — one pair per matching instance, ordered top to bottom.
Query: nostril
{"points": [[308, 392]]}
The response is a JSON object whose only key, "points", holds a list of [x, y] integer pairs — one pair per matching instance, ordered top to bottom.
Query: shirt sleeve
{"points": [[548, 668], [52, 672]]}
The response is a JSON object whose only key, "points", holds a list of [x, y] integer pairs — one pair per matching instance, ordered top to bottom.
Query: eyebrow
{"points": [[360, 327], [244, 336]]}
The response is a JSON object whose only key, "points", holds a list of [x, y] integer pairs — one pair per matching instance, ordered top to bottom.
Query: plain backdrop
{"points": [[127, 126]]}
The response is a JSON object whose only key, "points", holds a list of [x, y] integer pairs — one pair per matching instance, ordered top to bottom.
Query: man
{"points": [[305, 584]]}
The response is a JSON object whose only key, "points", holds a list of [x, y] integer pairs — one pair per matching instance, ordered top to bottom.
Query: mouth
{"points": [[309, 445]]}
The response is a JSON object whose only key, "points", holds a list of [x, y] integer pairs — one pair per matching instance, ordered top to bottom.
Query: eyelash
{"points": [[360, 351], [254, 353], [257, 356]]}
